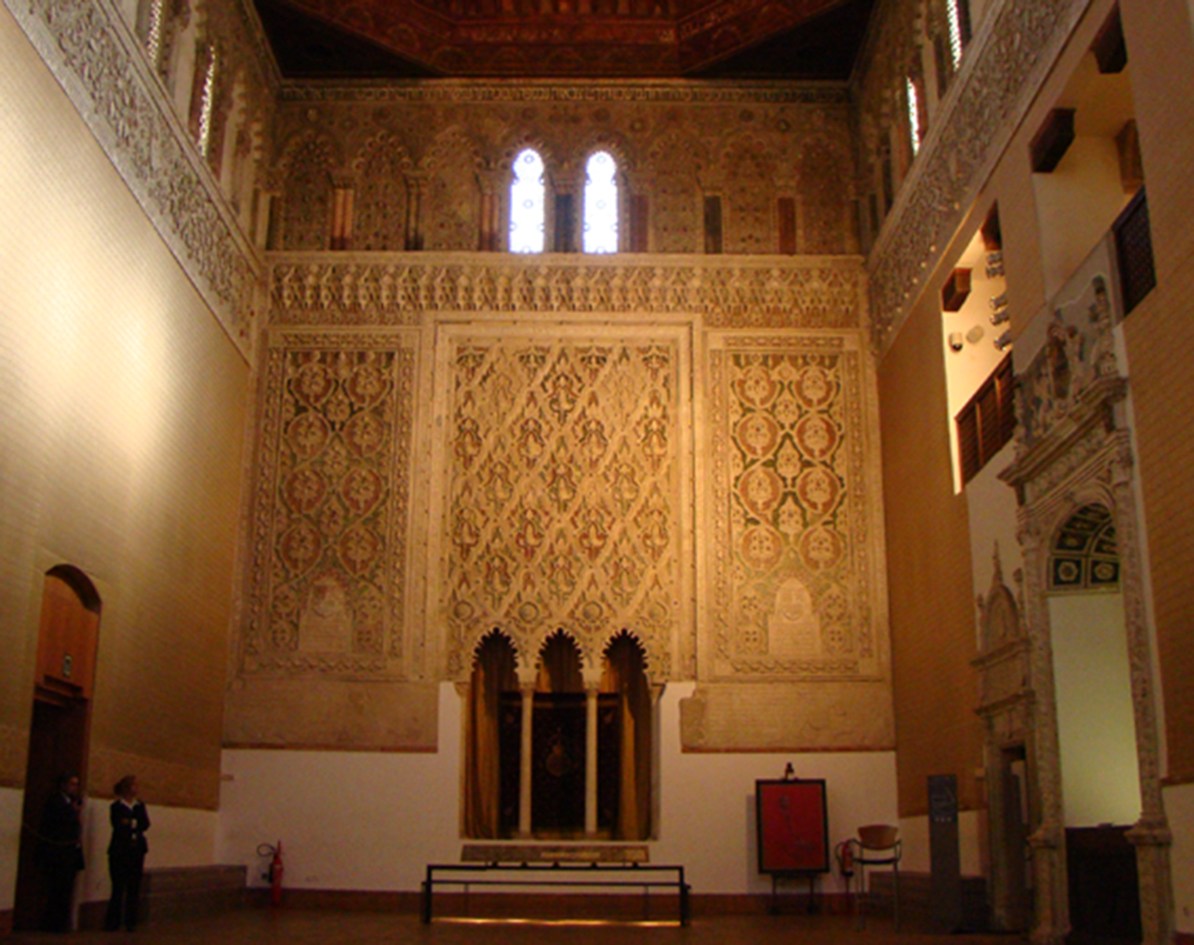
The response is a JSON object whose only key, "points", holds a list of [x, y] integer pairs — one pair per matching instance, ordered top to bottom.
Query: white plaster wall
{"points": [[991, 505], [1095, 721], [1179, 806], [372, 821], [914, 831], [177, 837], [10, 843]]}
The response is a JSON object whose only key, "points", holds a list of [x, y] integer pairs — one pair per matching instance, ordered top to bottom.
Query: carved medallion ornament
{"points": [[563, 503], [331, 507], [793, 580]]}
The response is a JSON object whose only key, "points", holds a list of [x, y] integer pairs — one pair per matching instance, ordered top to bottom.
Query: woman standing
{"points": [[126, 854]]}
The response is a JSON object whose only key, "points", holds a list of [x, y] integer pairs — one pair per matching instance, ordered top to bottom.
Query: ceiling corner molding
{"points": [[92, 54], [1002, 72]]}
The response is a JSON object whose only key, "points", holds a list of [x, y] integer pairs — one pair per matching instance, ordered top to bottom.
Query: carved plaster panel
{"points": [[97, 60], [745, 142], [404, 289], [564, 500], [330, 507], [796, 554]]}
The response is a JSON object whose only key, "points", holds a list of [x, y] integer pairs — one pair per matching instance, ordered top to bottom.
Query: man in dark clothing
{"points": [[61, 851]]}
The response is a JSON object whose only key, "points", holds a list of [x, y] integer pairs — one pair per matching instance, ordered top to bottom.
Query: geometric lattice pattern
{"points": [[564, 489], [331, 507], [790, 508]]}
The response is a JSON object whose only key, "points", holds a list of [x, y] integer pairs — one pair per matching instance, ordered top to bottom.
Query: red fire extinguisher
{"points": [[845, 858], [276, 871]]}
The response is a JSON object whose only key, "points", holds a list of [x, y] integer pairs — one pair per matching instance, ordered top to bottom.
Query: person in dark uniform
{"points": [[61, 835], [126, 854]]}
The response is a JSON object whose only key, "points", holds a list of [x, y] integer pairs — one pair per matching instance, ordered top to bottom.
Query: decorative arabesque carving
{"points": [[1000, 75], [461, 137], [675, 163], [381, 199], [451, 206], [307, 207], [348, 289], [1073, 450], [563, 493], [330, 508], [792, 583]]}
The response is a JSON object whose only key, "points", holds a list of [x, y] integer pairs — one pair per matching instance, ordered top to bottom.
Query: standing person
{"points": [[61, 836], [126, 854]]}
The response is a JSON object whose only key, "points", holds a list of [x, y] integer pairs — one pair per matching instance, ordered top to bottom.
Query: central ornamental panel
{"points": [[564, 490]]}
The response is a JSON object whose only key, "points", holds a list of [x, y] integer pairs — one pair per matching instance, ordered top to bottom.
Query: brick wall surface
{"points": [[1158, 336], [121, 413], [928, 554]]}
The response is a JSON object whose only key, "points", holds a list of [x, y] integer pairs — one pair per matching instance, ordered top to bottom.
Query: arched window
{"points": [[912, 95], [527, 204], [601, 204]]}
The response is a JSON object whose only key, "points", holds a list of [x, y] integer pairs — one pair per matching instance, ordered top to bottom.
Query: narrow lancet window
{"points": [[953, 14], [208, 104], [913, 112], [526, 204], [601, 204]]}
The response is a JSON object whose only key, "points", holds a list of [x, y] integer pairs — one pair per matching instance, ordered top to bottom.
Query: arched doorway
{"points": [[68, 635], [1100, 779]]}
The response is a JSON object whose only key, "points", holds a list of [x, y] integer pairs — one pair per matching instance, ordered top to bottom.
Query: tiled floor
{"points": [[296, 927]]}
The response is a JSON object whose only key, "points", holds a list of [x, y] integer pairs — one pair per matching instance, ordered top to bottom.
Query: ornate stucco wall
{"points": [[681, 447]]}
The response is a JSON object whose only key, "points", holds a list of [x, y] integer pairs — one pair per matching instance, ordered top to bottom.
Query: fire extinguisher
{"points": [[845, 858], [276, 871]]}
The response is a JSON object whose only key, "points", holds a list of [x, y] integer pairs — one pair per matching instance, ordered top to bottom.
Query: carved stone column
{"points": [[415, 182], [590, 759], [524, 771], [1151, 834], [1047, 840]]}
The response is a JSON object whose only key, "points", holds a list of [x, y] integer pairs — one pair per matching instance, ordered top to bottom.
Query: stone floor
{"points": [[325, 927]]}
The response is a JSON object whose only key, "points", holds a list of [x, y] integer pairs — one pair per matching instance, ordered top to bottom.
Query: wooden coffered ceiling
{"points": [[794, 39]]}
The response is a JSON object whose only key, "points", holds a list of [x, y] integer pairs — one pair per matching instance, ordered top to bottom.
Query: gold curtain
{"points": [[559, 666], [493, 674], [623, 674]]}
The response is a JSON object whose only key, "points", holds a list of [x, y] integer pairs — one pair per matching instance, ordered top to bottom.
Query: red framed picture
{"points": [[793, 826]]}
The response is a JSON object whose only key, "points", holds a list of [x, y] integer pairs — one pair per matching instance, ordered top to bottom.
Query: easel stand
{"points": [[813, 906]]}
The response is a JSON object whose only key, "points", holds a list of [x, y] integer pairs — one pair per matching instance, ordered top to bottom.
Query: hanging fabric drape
{"points": [[493, 674], [624, 675]]}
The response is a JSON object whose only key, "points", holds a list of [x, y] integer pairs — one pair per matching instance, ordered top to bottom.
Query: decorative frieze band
{"points": [[94, 57], [1001, 74], [658, 91], [322, 289]]}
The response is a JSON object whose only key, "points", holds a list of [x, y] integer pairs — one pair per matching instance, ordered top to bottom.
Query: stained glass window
{"points": [[526, 204], [601, 204]]}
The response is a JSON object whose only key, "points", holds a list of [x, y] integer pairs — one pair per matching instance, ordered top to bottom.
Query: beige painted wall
{"points": [[122, 405]]}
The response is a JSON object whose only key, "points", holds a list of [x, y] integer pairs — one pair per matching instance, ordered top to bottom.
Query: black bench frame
{"points": [[566, 875]]}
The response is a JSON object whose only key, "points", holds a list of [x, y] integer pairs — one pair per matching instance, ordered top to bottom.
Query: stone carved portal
{"points": [[1073, 452], [564, 497]]}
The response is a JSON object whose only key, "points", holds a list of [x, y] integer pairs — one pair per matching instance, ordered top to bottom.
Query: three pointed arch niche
{"points": [[558, 750]]}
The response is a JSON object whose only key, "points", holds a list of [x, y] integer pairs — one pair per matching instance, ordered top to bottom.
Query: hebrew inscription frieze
{"points": [[350, 289], [563, 504], [331, 507], [793, 534]]}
